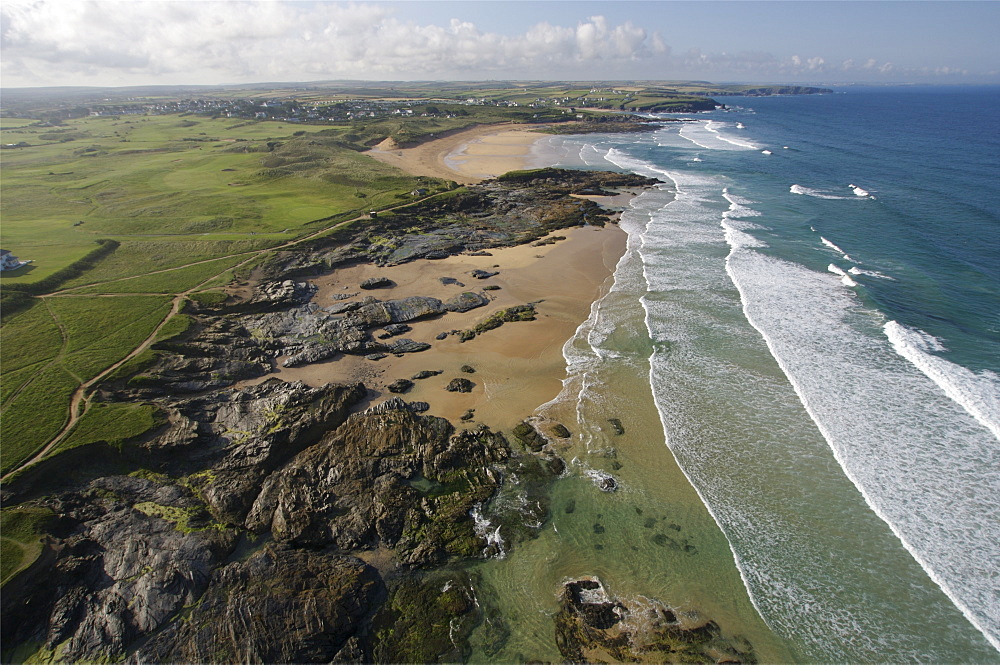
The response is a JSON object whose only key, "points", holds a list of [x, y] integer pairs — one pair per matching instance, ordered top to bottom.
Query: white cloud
{"points": [[75, 42], [109, 42]]}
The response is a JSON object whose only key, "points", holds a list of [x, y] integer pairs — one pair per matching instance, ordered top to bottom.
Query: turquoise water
{"points": [[820, 284]]}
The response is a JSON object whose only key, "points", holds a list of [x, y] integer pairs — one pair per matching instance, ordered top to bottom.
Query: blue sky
{"points": [[84, 42]]}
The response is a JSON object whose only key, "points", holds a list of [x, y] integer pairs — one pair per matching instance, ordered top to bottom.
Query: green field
{"points": [[187, 198], [54, 347], [21, 531]]}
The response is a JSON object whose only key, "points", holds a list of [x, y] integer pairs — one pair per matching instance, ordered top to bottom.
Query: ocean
{"points": [[803, 344]]}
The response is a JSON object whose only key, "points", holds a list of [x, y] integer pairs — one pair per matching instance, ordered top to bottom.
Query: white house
{"points": [[10, 262]]}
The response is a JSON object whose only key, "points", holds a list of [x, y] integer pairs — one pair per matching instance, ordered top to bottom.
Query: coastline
{"points": [[467, 156], [517, 369]]}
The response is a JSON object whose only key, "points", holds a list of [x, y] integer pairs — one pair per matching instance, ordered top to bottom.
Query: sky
{"points": [[177, 42]]}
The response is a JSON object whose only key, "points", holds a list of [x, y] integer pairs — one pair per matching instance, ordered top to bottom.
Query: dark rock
{"points": [[483, 274], [450, 281], [377, 283], [491, 287], [465, 301], [396, 311], [394, 329], [441, 336], [406, 346], [376, 356], [468, 369], [426, 374], [400, 386], [460, 386], [419, 407], [468, 415], [617, 426], [559, 430], [243, 436], [529, 436], [604, 480], [351, 489], [134, 554], [279, 606], [592, 626]]}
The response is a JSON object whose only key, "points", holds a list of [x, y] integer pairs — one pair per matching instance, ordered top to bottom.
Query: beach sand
{"points": [[466, 157], [518, 366]]}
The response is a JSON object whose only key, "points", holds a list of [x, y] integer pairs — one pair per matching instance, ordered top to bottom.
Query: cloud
{"points": [[47, 42], [116, 42]]}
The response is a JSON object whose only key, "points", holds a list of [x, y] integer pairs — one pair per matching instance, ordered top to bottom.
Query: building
{"points": [[10, 262]]}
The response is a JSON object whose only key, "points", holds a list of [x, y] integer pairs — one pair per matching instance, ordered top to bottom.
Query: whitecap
{"points": [[802, 190], [845, 279]]}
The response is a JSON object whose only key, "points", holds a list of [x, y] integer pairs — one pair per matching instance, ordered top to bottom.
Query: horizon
{"points": [[107, 44]]}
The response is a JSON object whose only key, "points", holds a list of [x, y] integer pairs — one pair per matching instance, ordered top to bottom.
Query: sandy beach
{"points": [[467, 156], [520, 365]]}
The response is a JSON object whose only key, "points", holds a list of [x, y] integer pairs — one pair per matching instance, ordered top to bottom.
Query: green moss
{"points": [[185, 520]]}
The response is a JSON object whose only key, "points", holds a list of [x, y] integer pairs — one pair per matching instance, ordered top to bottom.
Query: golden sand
{"points": [[467, 156], [518, 366]]}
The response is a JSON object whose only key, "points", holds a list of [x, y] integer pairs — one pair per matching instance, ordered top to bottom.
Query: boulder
{"points": [[377, 283], [465, 301], [400, 386], [460, 386], [594, 626]]}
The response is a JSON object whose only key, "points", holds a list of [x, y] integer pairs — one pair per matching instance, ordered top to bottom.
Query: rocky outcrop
{"points": [[272, 295], [241, 436], [353, 490], [132, 554], [281, 605], [593, 626]]}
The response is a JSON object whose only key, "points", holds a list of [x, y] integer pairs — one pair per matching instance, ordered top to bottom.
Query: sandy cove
{"points": [[467, 156], [520, 365]]}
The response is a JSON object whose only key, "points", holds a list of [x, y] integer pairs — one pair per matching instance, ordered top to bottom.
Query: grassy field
{"points": [[165, 177], [187, 198], [52, 348], [21, 531]]}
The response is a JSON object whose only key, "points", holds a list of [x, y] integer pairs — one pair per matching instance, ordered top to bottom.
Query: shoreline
{"points": [[468, 156], [518, 368]]}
